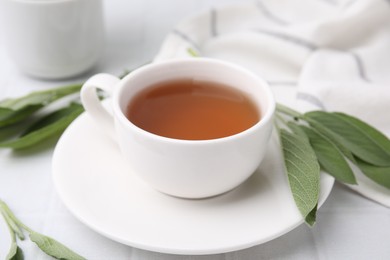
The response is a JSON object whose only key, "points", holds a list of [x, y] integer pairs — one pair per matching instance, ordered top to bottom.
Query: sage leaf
{"points": [[39, 97], [15, 110], [9, 116], [53, 117], [51, 125], [297, 129], [334, 138], [364, 141], [330, 157], [303, 172], [380, 175], [312, 216], [53, 247], [15, 253]]}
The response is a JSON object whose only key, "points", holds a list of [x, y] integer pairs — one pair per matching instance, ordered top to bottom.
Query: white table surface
{"points": [[349, 226]]}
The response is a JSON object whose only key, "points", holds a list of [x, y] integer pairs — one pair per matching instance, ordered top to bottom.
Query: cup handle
{"points": [[93, 105]]}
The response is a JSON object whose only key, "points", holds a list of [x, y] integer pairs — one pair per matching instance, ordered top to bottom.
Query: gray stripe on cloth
{"points": [[267, 13], [213, 22], [186, 38], [289, 38], [360, 67], [310, 99]]}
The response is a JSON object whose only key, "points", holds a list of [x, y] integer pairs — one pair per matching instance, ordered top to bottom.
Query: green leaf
{"points": [[39, 97], [15, 110], [4, 111], [9, 116], [53, 117], [51, 125], [297, 129], [334, 138], [361, 139], [330, 157], [303, 172], [380, 175], [312, 216], [48, 245], [53, 247], [15, 253]]}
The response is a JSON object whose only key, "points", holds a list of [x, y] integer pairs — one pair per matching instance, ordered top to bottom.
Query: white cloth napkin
{"points": [[322, 54]]}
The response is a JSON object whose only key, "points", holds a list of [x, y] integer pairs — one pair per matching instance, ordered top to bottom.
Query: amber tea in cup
{"points": [[191, 109]]}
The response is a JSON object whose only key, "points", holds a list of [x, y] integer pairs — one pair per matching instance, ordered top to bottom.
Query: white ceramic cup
{"points": [[53, 38], [184, 168]]}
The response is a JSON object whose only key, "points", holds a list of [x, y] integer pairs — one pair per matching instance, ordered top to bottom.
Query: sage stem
{"points": [[288, 111], [281, 119], [13, 218], [14, 228], [11, 229]]}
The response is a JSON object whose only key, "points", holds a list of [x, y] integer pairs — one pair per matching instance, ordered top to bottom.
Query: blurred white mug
{"points": [[54, 38]]}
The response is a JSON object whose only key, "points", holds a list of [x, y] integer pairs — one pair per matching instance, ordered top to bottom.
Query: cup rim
{"points": [[266, 117]]}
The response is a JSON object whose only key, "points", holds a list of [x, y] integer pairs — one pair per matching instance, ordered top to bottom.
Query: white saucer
{"points": [[94, 183]]}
